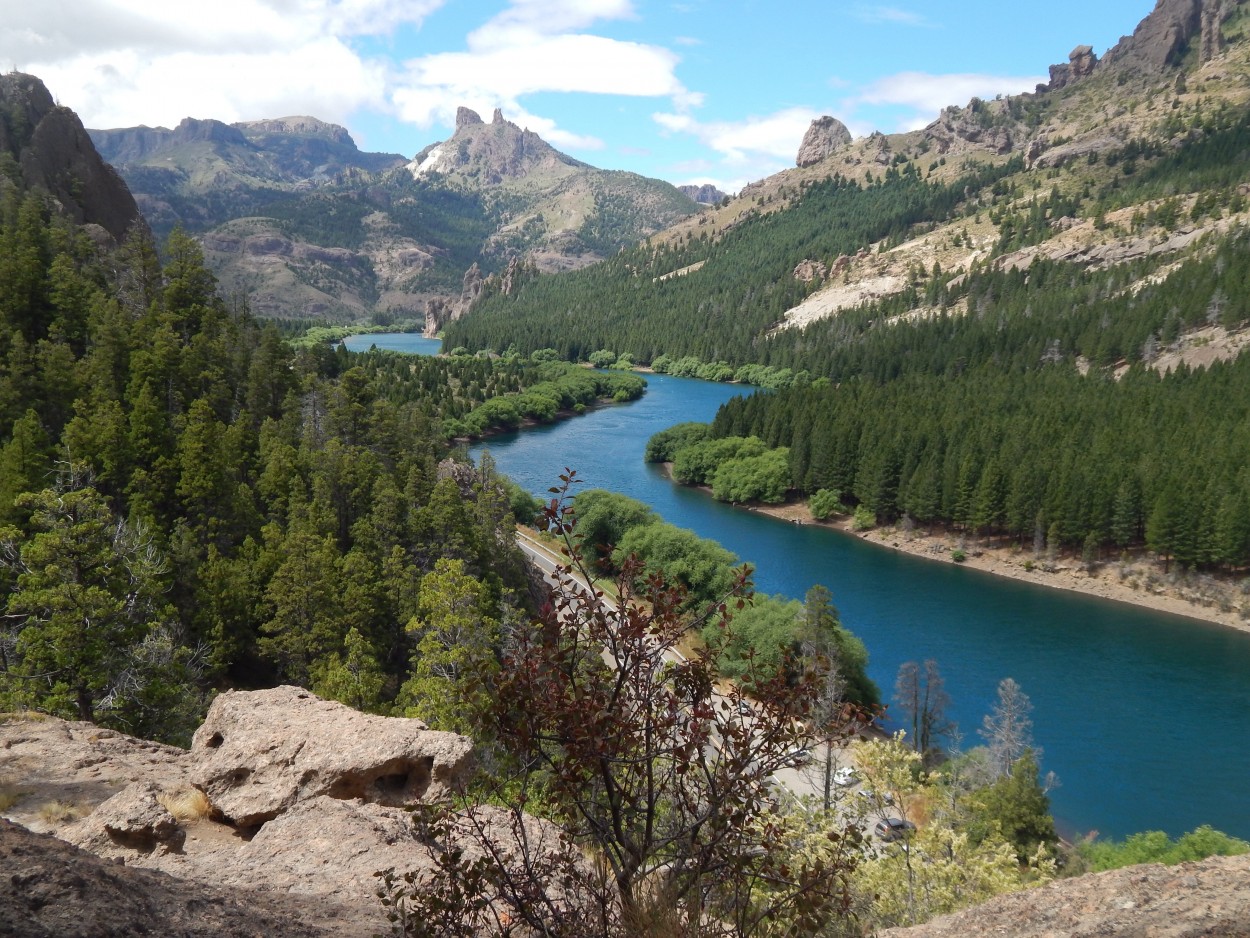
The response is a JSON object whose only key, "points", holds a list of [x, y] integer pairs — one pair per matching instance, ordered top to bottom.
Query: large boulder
{"points": [[825, 136], [258, 753]]}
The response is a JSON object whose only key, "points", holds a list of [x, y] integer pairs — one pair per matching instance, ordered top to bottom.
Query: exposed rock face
{"points": [[1166, 33], [1081, 63], [466, 117], [302, 125], [981, 125], [826, 135], [491, 153], [55, 154], [1042, 155], [706, 194], [809, 270], [471, 289], [437, 315], [259, 753], [133, 819], [308, 871], [50, 889], [1210, 898]]}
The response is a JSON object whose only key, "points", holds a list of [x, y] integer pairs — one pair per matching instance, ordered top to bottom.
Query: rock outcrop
{"points": [[1163, 37], [1081, 63], [983, 125], [301, 126], [825, 136], [491, 153], [55, 154], [706, 194], [808, 270], [471, 288], [259, 753], [332, 786], [50, 889], [1210, 898]]}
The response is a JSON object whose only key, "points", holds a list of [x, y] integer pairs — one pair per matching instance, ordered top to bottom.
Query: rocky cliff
{"points": [[825, 136], [51, 151], [491, 153], [706, 194]]}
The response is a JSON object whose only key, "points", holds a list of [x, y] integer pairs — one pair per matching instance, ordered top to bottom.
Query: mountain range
{"points": [[294, 216]]}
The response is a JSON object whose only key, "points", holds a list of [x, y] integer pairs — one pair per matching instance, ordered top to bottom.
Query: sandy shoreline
{"points": [[1140, 582]]}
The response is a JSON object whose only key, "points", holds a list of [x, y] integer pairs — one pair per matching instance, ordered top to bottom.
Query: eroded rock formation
{"points": [[825, 136], [55, 154], [261, 752]]}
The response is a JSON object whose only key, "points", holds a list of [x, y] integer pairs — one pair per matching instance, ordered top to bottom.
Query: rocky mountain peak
{"points": [[467, 117], [825, 136], [54, 153], [491, 153]]}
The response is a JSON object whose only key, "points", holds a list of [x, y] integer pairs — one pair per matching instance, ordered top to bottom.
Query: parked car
{"points": [[797, 757], [845, 777], [894, 828]]}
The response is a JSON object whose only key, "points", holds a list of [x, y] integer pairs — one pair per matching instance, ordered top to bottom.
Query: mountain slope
{"points": [[1135, 156], [295, 217]]}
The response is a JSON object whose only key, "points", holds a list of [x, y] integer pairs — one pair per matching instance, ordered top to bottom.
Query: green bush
{"points": [[826, 503], [1155, 847]]}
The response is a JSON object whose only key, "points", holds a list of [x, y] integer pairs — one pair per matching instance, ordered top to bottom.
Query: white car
{"points": [[845, 777]]}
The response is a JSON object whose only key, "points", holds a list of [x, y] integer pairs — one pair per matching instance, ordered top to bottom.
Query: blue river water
{"points": [[1142, 715]]}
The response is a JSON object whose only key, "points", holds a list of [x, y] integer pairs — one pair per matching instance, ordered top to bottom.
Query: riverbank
{"points": [[1138, 580]]}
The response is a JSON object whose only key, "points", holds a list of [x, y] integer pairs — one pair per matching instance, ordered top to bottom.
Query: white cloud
{"points": [[890, 15], [525, 20], [533, 47], [125, 62], [923, 96], [772, 137]]}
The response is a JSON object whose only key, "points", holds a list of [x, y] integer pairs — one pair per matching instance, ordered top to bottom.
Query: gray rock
{"points": [[1161, 39], [825, 136], [55, 154], [706, 194], [261, 752], [132, 820]]}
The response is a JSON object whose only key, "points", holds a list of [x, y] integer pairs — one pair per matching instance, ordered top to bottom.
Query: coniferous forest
{"points": [[223, 510]]}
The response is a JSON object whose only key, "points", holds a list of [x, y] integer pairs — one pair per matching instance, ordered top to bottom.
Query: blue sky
{"points": [[689, 91]]}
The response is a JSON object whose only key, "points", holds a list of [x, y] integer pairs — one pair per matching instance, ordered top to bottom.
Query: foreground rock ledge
{"points": [[260, 752], [1206, 899]]}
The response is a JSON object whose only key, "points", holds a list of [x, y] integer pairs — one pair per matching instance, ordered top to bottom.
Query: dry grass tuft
{"points": [[23, 716], [10, 794], [186, 804], [61, 812]]}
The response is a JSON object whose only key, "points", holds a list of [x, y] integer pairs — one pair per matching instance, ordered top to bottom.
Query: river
{"points": [[1141, 714]]}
